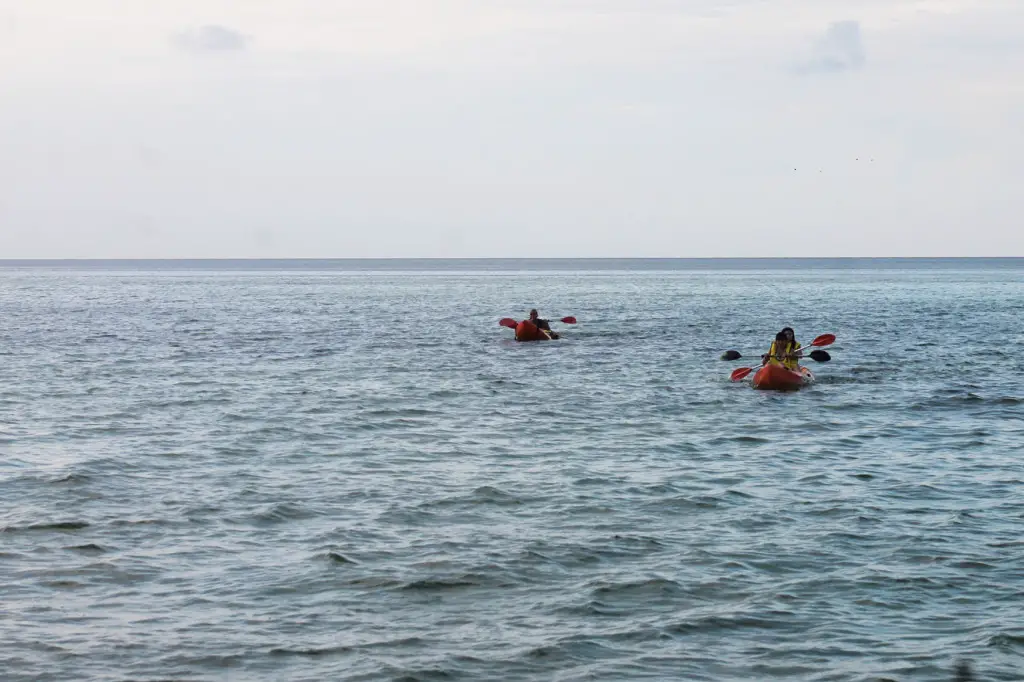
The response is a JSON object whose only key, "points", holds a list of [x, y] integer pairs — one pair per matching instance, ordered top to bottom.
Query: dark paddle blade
{"points": [[569, 320], [508, 322], [824, 340], [731, 355], [820, 356], [738, 374]]}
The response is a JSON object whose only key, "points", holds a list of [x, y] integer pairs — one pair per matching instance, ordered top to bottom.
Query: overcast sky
{"points": [[511, 128]]}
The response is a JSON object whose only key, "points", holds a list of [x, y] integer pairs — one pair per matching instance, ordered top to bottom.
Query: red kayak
{"points": [[528, 331], [775, 377]]}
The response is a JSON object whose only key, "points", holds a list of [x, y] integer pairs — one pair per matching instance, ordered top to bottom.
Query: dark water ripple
{"points": [[358, 476]]}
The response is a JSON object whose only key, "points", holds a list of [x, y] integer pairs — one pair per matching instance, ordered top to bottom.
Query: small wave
{"points": [[886, 370], [841, 380], [443, 393], [958, 401], [189, 402], [399, 413], [744, 439], [73, 477], [597, 481], [653, 489], [483, 495], [684, 503], [828, 511], [283, 512], [139, 522], [60, 525], [847, 535], [621, 546], [90, 548], [530, 556], [338, 558], [972, 563], [467, 580], [374, 583], [63, 584], [651, 586], [594, 607], [716, 623], [1005, 640], [345, 648], [572, 649], [312, 652], [424, 674]]}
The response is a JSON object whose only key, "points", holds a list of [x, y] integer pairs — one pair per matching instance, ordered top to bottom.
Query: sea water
{"points": [[344, 470]]}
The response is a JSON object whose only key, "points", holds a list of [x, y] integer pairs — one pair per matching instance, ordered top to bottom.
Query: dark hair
{"points": [[533, 312], [788, 329], [781, 336]]}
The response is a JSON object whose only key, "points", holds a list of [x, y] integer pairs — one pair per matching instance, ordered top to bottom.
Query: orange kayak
{"points": [[528, 331], [775, 377]]}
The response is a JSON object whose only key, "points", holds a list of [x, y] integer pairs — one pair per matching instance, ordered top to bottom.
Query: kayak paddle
{"points": [[511, 324], [823, 340], [816, 355], [738, 374]]}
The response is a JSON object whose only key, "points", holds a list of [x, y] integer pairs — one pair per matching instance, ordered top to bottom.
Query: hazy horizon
{"points": [[510, 129], [505, 265]]}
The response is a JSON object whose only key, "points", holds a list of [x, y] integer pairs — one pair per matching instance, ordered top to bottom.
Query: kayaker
{"points": [[538, 321], [795, 348], [785, 349]]}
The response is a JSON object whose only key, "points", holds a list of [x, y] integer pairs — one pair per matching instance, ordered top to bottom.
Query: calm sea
{"points": [[346, 470]]}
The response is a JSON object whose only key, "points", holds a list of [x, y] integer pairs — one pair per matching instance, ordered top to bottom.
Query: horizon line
{"points": [[495, 258]]}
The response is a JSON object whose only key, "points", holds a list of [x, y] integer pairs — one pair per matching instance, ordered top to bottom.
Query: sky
{"points": [[511, 128]]}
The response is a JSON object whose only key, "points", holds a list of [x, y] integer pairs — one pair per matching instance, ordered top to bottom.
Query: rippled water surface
{"points": [[355, 475]]}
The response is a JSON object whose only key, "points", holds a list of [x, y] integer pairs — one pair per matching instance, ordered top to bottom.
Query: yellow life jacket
{"points": [[790, 347]]}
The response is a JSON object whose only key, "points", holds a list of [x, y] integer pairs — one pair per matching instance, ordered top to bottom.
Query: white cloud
{"points": [[211, 38], [840, 49]]}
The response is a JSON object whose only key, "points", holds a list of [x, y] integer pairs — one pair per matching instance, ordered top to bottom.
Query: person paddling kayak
{"points": [[539, 321], [784, 349]]}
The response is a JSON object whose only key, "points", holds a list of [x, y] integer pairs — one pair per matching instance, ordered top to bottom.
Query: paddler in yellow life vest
{"points": [[785, 350]]}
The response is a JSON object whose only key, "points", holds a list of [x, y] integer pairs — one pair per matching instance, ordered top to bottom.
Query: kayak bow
{"points": [[775, 377]]}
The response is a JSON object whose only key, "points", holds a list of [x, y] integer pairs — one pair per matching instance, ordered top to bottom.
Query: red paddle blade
{"points": [[569, 320], [508, 322], [824, 340], [738, 374]]}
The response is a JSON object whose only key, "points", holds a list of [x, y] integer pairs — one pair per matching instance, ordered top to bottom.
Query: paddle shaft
{"points": [[511, 324]]}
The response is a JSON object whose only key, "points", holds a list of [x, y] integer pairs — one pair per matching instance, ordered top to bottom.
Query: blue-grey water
{"points": [[311, 471]]}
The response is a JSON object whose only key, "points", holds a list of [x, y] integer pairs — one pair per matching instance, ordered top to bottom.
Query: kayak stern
{"points": [[528, 331]]}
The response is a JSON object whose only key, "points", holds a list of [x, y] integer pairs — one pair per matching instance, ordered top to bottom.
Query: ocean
{"points": [[347, 470]]}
